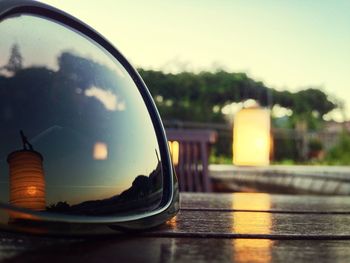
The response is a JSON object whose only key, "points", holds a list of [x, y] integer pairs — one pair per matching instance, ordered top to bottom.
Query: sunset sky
{"points": [[286, 44]]}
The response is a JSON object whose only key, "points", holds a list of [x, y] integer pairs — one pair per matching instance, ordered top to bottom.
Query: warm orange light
{"points": [[251, 137], [174, 150], [100, 151], [27, 182], [31, 190], [172, 223], [251, 223]]}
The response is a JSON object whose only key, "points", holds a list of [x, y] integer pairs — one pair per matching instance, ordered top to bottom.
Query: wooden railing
{"points": [[191, 164]]}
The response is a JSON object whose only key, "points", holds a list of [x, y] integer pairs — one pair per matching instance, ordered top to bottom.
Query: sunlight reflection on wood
{"points": [[242, 247]]}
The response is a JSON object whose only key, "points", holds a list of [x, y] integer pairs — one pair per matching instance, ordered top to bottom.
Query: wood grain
{"points": [[266, 202], [258, 225], [211, 228], [174, 250]]}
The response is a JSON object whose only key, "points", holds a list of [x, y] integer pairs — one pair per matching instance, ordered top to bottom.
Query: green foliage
{"points": [[189, 96], [200, 97], [312, 101], [315, 145], [285, 149], [339, 154], [216, 158], [219, 159], [285, 162]]}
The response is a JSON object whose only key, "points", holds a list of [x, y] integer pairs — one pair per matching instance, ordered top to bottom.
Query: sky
{"points": [[286, 44]]}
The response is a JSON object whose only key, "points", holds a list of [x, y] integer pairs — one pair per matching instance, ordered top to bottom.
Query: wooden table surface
{"points": [[212, 228]]}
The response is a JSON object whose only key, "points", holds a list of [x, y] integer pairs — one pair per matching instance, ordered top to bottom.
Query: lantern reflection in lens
{"points": [[84, 115], [27, 180], [31, 190]]}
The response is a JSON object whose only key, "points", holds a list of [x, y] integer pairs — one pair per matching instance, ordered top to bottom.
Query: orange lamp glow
{"points": [[251, 137], [27, 182]]}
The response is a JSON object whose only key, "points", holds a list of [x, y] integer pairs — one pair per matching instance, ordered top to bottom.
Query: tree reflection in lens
{"points": [[84, 114]]}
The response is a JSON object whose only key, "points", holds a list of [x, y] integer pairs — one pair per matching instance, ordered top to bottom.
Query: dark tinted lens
{"points": [[88, 145]]}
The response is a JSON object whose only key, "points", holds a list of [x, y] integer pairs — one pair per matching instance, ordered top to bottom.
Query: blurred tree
{"points": [[200, 97], [310, 106], [339, 154]]}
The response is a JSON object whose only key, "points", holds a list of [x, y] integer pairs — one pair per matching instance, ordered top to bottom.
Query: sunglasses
{"points": [[83, 149]]}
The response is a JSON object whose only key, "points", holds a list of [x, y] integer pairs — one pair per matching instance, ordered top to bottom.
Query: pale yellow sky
{"points": [[286, 44]]}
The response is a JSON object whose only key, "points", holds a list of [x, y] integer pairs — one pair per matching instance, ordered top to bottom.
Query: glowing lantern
{"points": [[251, 137], [174, 150], [27, 182]]}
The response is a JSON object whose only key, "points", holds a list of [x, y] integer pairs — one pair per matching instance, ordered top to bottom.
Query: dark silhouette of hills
{"points": [[145, 193]]}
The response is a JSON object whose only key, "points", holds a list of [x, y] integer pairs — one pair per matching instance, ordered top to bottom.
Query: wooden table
{"points": [[212, 228]]}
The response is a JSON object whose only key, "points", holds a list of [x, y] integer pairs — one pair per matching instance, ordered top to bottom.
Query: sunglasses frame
{"points": [[53, 224]]}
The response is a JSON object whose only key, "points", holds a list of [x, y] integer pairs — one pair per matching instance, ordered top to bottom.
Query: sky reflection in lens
{"points": [[82, 112]]}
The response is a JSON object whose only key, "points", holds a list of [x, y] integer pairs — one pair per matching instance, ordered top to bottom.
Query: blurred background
{"points": [[254, 95]]}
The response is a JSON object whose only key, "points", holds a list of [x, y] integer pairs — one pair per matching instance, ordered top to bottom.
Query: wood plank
{"points": [[266, 202], [257, 224], [211, 229], [14, 244], [187, 250]]}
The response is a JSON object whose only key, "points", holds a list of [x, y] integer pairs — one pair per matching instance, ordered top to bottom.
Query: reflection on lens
{"points": [[96, 151], [100, 151], [27, 182]]}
